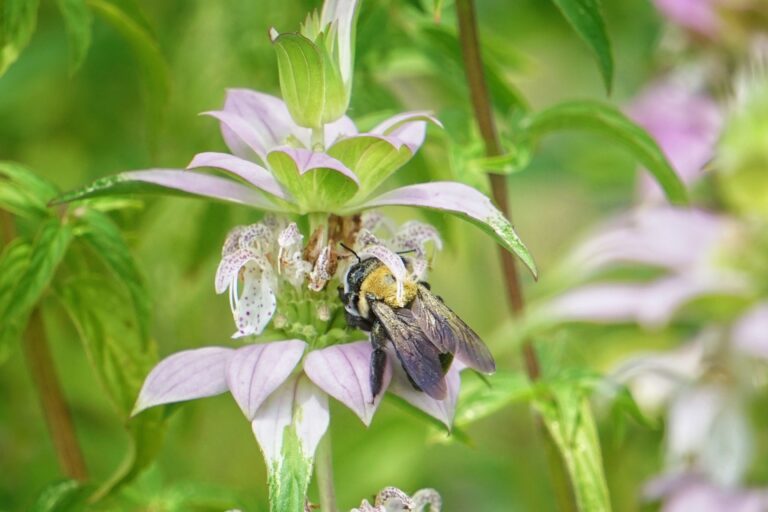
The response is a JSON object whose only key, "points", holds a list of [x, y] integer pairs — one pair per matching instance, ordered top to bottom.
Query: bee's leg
{"points": [[426, 285], [357, 322], [378, 357], [446, 358]]}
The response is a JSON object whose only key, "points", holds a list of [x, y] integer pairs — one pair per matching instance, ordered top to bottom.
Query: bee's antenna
{"points": [[350, 250], [406, 252]]}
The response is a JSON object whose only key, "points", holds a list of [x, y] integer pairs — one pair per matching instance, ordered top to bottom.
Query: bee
{"points": [[426, 334]]}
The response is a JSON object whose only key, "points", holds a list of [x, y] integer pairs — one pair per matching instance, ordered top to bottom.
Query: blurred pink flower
{"points": [[699, 16], [685, 122], [685, 244], [750, 333], [689, 492]]}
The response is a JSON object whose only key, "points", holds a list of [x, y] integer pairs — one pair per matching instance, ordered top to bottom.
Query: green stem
{"points": [[483, 110], [318, 139], [324, 474]]}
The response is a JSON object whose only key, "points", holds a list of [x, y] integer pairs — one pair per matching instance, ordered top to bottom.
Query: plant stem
{"points": [[483, 111], [52, 400], [324, 474]]}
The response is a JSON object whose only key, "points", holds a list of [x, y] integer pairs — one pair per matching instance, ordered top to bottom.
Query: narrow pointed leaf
{"points": [[586, 18], [18, 19], [78, 20], [607, 120], [255, 174], [171, 182], [22, 192], [463, 201], [104, 236], [47, 251], [14, 262], [121, 358], [62, 496]]}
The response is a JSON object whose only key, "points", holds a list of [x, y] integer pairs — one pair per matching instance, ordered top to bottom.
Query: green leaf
{"points": [[586, 18], [18, 19], [126, 19], [78, 20], [442, 45], [302, 78], [610, 122], [373, 160], [317, 190], [22, 192], [104, 236], [46, 252], [14, 262], [121, 359], [480, 398], [569, 419], [288, 479], [63, 496]]}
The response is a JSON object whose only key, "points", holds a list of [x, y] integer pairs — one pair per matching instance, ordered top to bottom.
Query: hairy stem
{"points": [[483, 111], [52, 400], [324, 474]]}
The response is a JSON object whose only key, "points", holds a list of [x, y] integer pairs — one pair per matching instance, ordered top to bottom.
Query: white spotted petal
{"points": [[254, 308]]}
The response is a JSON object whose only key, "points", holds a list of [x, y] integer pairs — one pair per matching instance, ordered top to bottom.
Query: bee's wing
{"points": [[449, 333], [419, 357]]}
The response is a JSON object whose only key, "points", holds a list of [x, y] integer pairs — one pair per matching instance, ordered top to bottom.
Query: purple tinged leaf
{"points": [[269, 121], [341, 128], [408, 128], [307, 160], [249, 171], [170, 180], [461, 200], [256, 371], [343, 371], [184, 376], [443, 410]]}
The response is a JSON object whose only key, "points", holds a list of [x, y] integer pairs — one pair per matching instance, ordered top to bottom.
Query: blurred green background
{"points": [[75, 127]]}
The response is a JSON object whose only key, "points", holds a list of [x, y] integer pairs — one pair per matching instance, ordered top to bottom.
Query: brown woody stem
{"points": [[483, 111], [52, 400]]}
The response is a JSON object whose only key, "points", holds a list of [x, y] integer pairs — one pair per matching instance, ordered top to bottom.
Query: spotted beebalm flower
{"points": [[685, 122], [264, 257]]}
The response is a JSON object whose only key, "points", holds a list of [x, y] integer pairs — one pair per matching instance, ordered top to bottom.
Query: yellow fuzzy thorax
{"points": [[383, 285]]}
